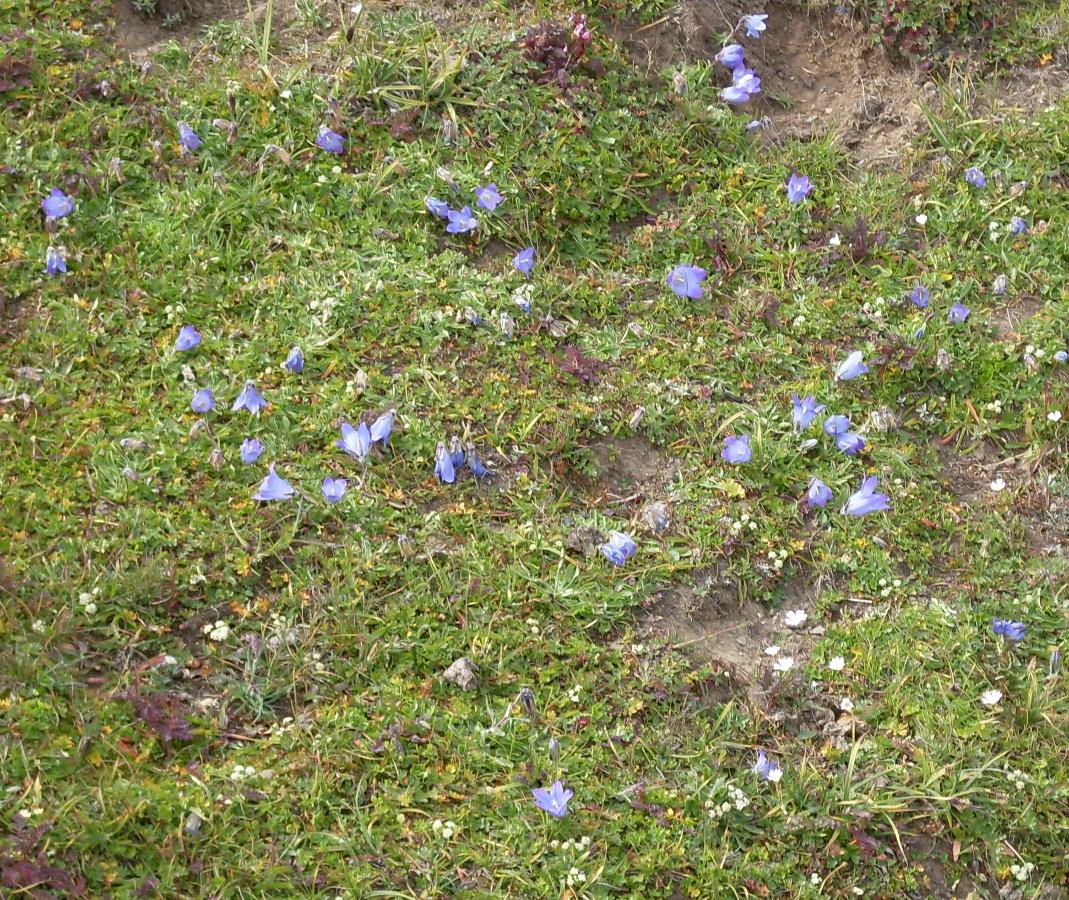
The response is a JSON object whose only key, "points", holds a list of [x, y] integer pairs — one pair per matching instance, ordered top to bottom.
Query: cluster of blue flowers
{"points": [[744, 81], [461, 221], [450, 460]]}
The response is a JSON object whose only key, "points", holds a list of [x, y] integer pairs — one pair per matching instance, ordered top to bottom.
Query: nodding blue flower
{"points": [[755, 24], [731, 56], [744, 84], [755, 125], [188, 139], [330, 141], [975, 177], [798, 188], [487, 197], [57, 205], [437, 207], [461, 221], [1018, 225], [524, 260], [55, 264], [686, 281], [999, 285], [921, 296], [523, 303], [958, 313], [472, 317], [188, 338], [1061, 356], [295, 361], [851, 367], [249, 398], [203, 401], [804, 411], [834, 425], [382, 427], [355, 441], [851, 444], [737, 449], [251, 450], [456, 452], [474, 462], [443, 464], [273, 487], [334, 489], [818, 494], [866, 499], [619, 548], [1012, 631], [1055, 664], [767, 767], [554, 800]]}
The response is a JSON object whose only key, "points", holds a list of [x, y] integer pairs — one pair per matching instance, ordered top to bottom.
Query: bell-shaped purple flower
{"points": [[755, 24], [731, 56], [744, 84], [188, 139], [330, 141], [975, 177], [798, 188], [487, 197], [57, 205], [437, 207], [461, 221], [1018, 225], [524, 260], [55, 264], [686, 281], [920, 296], [958, 313], [188, 338], [1061, 356], [295, 361], [851, 367], [249, 398], [203, 401], [804, 411], [834, 425], [382, 427], [355, 441], [851, 444], [737, 449], [251, 450], [456, 452], [474, 463], [443, 464], [273, 487], [334, 489], [818, 494], [866, 500], [619, 548], [1012, 631], [767, 767], [553, 800]]}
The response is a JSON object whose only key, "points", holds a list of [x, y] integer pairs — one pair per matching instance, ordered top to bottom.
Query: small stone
{"points": [[869, 110], [655, 517], [584, 540], [463, 674], [193, 823]]}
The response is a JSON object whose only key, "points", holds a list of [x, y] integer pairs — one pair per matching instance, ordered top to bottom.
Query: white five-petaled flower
{"points": [[921, 219], [1055, 415], [999, 484], [795, 618], [772, 651], [783, 664], [837, 664], [991, 697], [846, 704]]}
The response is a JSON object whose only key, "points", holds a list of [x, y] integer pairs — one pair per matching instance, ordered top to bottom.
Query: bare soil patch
{"points": [[171, 20], [632, 467]]}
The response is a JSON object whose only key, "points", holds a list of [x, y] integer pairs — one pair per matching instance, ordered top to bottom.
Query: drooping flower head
{"points": [[755, 24], [731, 56], [744, 84], [188, 139], [330, 141], [975, 177], [798, 187], [487, 197], [57, 205], [437, 207], [461, 221], [1018, 226], [524, 260], [55, 263], [686, 281], [920, 296], [958, 313], [188, 338], [1061, 356], [295, 361], [851, 367], [249, 398], [203, 401], [804, 411], [837, 424], [382, 426], [355, 441], [851, 444], [737, 449], [251, 450], [456, 452], [474, 463], [443, 464], [273, 487], [334, 489], [818, 494], [866, 500], [619, 548], [1012, 631], [767, 767], [554, 800]]}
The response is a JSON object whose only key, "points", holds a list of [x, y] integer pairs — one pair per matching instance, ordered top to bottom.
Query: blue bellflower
{"points": [[755, 24], [731, 56], [744, 84], [188, 139], [330, 141], [975, 177], [798, 188], [487, 197], [57, 205], [437, 207], [461, 221], [1018, 225], [524, 261], [55, 264], [686, 281], [920, 296], [958, 313], [188, 338], [295, 361], [851, 367], [249, 398], [203, 401], [804, 411], [835, 425], [382, 427], [355, 441], [851, 444], [737, 449], [251, 450], [456, 452], [474, 463], [443, 464], [273, 487], [334, 489], [818, 494], [866, 500], [619, 548], [1012, 631], [767, 767], [553, 800]]}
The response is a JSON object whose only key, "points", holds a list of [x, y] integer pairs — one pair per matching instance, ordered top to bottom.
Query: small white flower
{"points": [[286, 94], [922, 219], [835, 240], [1055, 415], [999, 484], [795, 618], [38, 626], [772, 651], [836, 663], [783, 664], [990, 698], [846, 704], [774, 775]]}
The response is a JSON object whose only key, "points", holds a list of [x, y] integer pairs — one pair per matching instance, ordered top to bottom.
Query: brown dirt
{"points": [[137, 31], [1007, 319], [632, 466]]}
